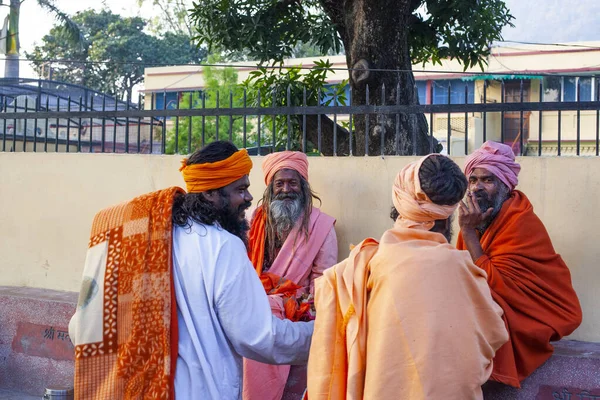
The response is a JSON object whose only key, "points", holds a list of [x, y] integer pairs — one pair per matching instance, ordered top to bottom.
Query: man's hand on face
{"points": [[470, 215]]}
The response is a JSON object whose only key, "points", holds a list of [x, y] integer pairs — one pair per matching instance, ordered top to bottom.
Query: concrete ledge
{"points": [[35, 348], [572, 373]]}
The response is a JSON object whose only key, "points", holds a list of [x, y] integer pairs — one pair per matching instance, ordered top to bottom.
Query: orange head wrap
{"points": [[274, 162], [209, 176], [415, 208]]}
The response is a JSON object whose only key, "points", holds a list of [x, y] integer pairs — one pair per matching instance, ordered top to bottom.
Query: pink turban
{"points": [[498, 159], [274, 162], [415, 208]]}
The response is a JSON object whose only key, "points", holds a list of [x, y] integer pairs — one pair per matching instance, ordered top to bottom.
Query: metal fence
{"points": [[524, 113]]}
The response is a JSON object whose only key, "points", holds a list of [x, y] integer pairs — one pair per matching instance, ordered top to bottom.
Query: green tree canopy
{"points": [[381, 39], [113, 54]]}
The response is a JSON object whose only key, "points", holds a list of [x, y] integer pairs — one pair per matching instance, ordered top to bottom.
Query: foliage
{"points": [[173, 16], [270, 29], [113, 53], [220, 83], [293, 86]]}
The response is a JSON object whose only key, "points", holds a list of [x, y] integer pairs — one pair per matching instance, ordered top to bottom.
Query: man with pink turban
{"points": [[291, 243], [527, 278], [410, 316]]}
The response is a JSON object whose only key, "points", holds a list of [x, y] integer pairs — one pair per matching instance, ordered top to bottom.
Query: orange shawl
{"points": [[531, 283], [394, 319], [125, 327]]}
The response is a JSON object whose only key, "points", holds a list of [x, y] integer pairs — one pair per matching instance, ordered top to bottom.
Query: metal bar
{"points": [[597, 80], [127, 107], [314, 110], [485, 113], [502, 113], [231, 116], [380, 117], [578, 117], [217, 118], [203, 119], [540, 119], [350, 121], [467, 121], [559, 121], [151, 122], [449, 122], [4, 123], [35, 123], [47, 123], [68, 123], [190, 123], [259, 124], [91, 125], [25, 126], [57, 126], [79, 126], [139, 126], [177, 127], [521, 127], [367, 130], [163, 132], [273, 132], [319, 132], [103, 133], [244, 133], [14, 135], [335, 138], [397, 138], [304, 139], [431, 139], [288, 143], [114, 147]]}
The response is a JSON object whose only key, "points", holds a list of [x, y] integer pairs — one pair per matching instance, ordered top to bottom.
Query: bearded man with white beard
{"points": [[290, 244]]}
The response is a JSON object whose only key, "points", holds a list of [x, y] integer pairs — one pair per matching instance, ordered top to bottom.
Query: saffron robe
{"points": [[531, 283], [410, 317]]}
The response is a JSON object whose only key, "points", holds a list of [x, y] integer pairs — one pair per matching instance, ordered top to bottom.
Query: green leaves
{"points": [[264, 29]]}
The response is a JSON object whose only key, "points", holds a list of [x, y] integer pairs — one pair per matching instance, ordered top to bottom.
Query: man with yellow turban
{"points": [[291, 244], [528, 279], [170, 302], [408, 317]]}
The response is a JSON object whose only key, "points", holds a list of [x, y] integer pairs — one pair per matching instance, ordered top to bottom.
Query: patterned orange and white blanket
{"points": [[125, 327]]}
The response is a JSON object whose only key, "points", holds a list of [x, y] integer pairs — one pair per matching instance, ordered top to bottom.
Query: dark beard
{"points": [[495, 203], [285, 213], [229, 219]]}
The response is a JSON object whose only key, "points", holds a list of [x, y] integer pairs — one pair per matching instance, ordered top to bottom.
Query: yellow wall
{"points": [[48, 202]]}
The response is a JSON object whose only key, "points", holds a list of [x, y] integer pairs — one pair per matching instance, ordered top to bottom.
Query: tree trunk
{"points": [[378, 56], [11, 65]]}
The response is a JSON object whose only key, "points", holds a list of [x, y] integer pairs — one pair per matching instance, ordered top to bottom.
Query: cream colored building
{"points": [[560, 72]]}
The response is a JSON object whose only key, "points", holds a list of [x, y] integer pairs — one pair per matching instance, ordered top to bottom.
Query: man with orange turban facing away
{"points": [[291, 243], [528, 279], [170, 302], [410, 316]]}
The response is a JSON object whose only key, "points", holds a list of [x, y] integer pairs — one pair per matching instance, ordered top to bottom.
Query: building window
{"points": [[567, 88], [422, 89], [457, 91], [159, 101]]}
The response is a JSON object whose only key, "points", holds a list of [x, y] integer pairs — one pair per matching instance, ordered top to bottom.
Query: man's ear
{"points": [[211, 196]]}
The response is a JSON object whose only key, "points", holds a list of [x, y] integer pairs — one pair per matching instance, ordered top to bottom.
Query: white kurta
{"points": [[224, 315]]}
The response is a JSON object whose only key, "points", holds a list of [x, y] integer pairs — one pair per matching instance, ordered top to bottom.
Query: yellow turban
{"points": [[209, 176]]}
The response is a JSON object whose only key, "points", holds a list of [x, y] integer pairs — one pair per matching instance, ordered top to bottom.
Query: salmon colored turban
{"points": [[498, 159], [274, 162], [209, 176], [415, 208]]}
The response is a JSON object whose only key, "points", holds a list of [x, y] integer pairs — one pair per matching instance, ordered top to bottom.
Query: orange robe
{"points": [[531, 283], [408, 318]]}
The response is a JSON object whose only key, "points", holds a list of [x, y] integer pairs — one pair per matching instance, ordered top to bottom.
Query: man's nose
{"points": [[285, 188], [248, 196]]}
